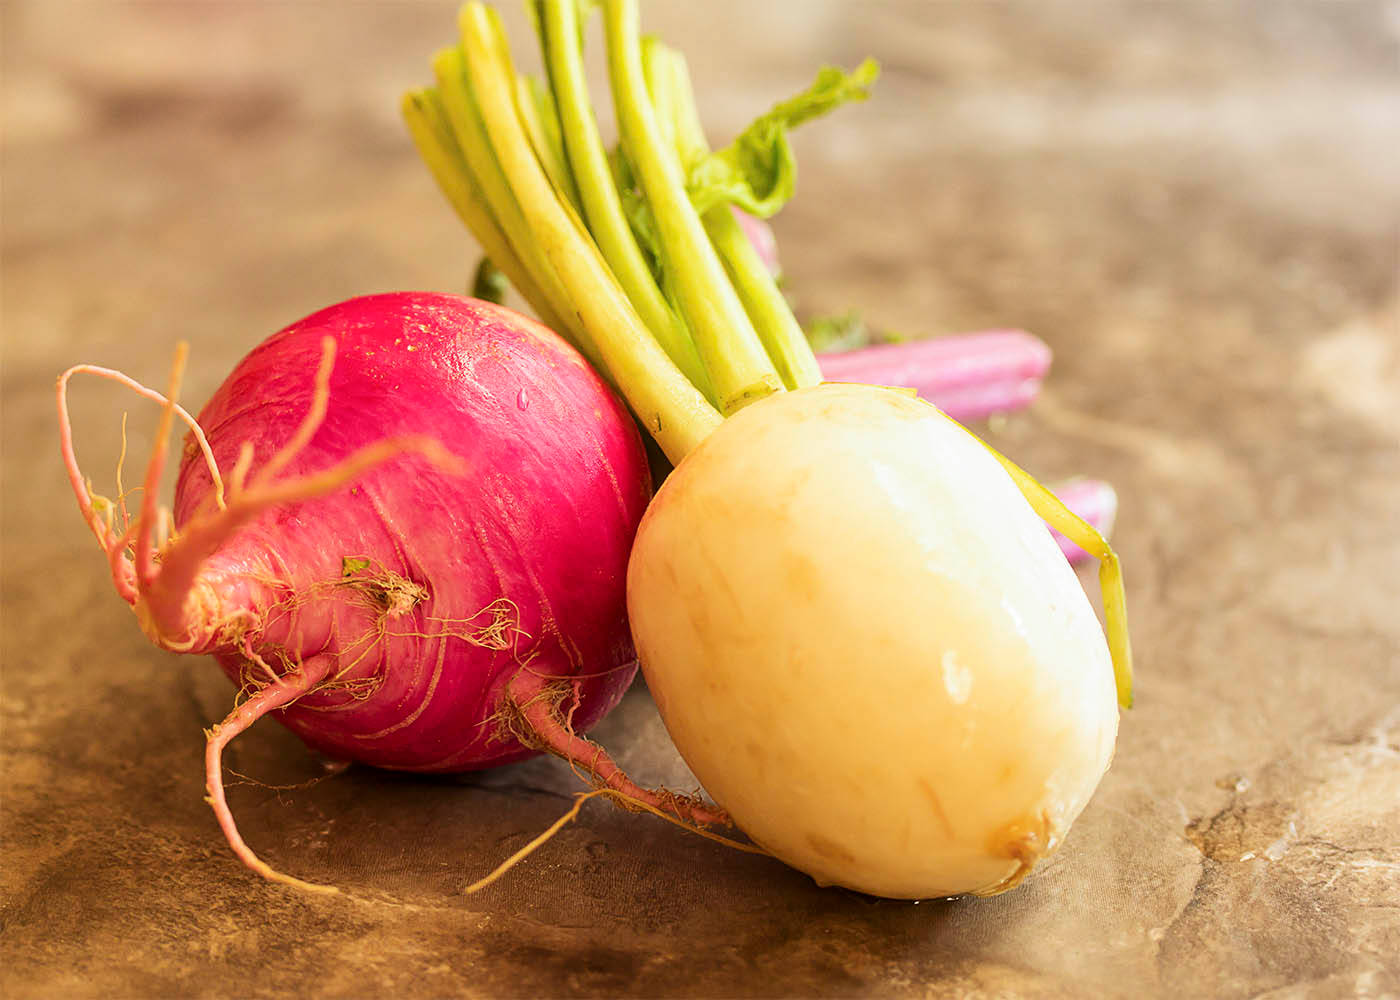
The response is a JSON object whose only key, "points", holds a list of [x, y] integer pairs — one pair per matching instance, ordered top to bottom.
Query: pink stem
{"points": [[760, 234], [968, 376], [1092, 499]]}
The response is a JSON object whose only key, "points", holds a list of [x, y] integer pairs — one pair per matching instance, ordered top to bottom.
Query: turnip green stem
{"points": [[559, 31], [536, 107], [465, 112], [541, 121], [428, 124], [767, 308], [772, 318], [729, 346], [670, 407], [1091, 499], [1053, 512]]}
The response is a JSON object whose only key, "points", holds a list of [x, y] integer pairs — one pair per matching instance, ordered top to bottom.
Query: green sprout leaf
{"points": [[758, 170], [489, 284], [350, 565]]}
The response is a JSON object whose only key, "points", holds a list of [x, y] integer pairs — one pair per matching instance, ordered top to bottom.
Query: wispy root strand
{"points": [[628, 802]]}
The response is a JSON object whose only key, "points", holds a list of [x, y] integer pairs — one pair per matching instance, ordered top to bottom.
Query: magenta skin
{"points": [[761, 237], [556, 485]]}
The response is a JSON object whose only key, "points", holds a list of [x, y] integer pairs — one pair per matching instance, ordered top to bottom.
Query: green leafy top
{"points": [[758, 171]]}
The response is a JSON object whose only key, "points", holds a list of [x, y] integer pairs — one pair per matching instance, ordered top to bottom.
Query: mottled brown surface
{"points": [[1196, 204]]}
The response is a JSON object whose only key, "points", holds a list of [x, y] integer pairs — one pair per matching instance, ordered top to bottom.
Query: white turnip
{"points": [[868, 648]]}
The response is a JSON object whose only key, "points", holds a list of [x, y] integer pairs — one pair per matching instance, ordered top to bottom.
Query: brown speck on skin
{"points": [[937, 805]]}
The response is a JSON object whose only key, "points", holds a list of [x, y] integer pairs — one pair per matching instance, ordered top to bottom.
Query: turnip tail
{"points": [[114, 544], [155, 568], [160, 590], [278, 694], [538, 701], [536, 716], [625, 801]]}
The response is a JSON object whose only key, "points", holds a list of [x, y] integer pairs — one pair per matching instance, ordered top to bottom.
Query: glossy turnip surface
{"points": [[428, 590], [867, 646]]}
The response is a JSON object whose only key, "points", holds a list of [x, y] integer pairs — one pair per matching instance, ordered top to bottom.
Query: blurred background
{"points": [[1196, 204]]}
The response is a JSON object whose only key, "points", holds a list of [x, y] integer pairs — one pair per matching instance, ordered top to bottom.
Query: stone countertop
{"points": [[1195, 204]]}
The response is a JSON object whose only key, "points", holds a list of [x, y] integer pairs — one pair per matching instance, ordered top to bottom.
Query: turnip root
{"points": [[888, 675]]}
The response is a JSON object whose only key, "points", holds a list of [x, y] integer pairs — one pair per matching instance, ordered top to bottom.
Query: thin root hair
{"points": [[626, 801]]}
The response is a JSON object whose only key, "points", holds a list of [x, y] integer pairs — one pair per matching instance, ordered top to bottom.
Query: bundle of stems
{"points": [[631, 253], [634, 253]]}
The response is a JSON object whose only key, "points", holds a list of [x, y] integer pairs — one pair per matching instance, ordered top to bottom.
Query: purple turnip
{"points": [[413, 557]]}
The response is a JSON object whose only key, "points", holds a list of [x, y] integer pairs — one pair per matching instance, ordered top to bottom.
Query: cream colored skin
{"points": [[868, 648]]}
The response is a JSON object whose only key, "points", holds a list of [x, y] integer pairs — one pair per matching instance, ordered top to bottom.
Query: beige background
{"points": [[1194, 203]]}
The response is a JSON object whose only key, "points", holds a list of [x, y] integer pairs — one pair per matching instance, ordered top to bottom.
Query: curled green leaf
{"points": [[757, 171]]}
